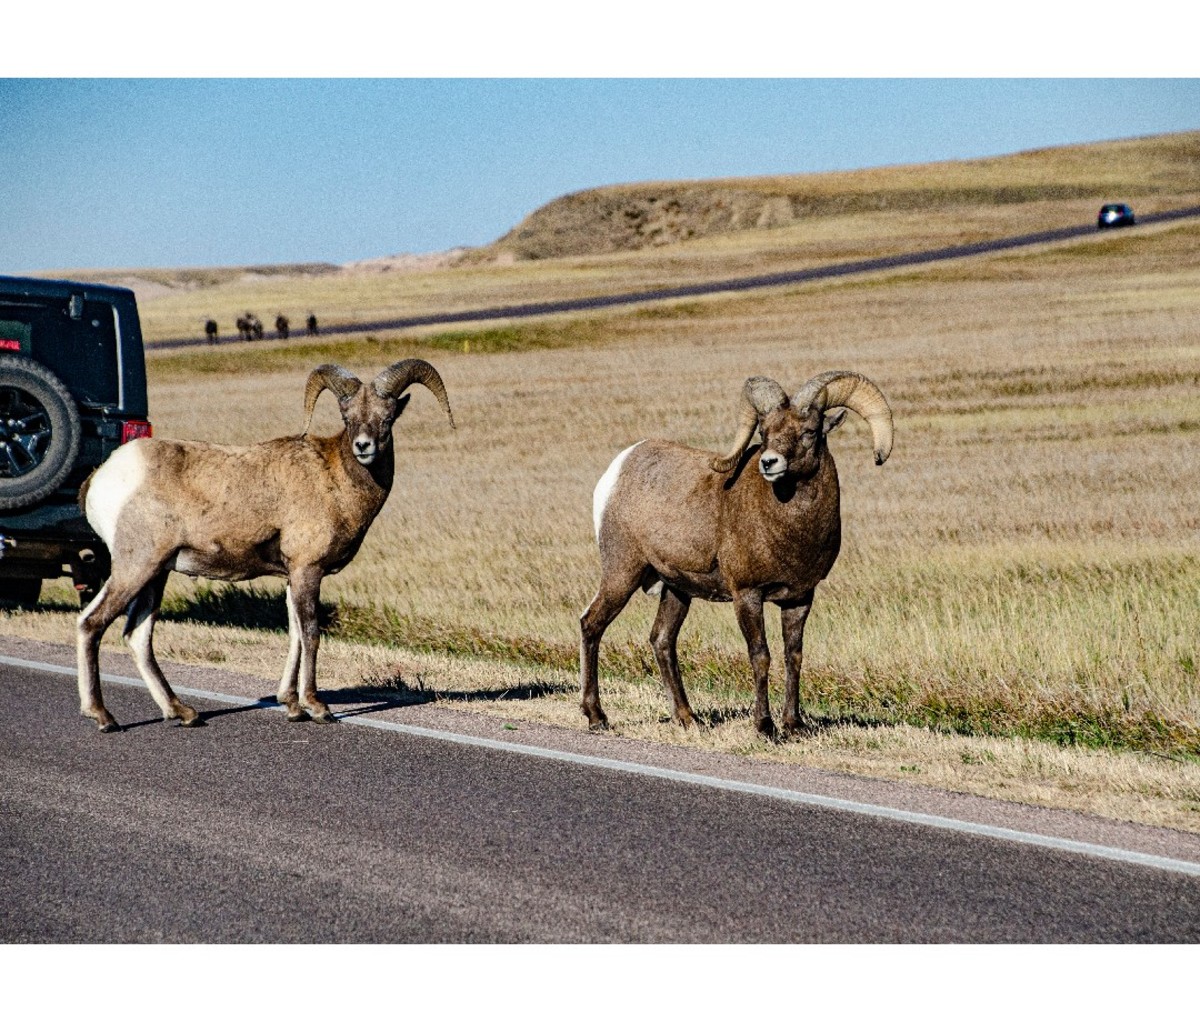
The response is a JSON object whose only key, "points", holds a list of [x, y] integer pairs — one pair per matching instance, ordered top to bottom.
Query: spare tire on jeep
{"points": [[39, 432]]}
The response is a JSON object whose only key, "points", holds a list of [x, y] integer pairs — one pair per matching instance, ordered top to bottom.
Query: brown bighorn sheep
{"points": [[296, 507], [715, 529]]}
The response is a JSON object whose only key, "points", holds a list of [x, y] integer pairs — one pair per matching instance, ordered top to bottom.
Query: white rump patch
{"points": [[113, 484], [605, 486]]}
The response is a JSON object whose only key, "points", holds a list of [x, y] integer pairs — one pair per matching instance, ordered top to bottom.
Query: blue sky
{"points": [[119, 172]]}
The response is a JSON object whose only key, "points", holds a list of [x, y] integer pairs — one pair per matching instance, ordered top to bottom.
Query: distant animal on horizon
{"points": [[311, 323], [281, 326], [243, 328], [256, 328], [210, 331], [297, 507], [760, 525]]}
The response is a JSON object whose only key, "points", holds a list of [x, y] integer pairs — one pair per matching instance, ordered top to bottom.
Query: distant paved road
{"points": [[717, 286], [256, 830]]}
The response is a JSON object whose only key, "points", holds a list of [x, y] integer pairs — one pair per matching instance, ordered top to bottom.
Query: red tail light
{"points": [[135, 428]]}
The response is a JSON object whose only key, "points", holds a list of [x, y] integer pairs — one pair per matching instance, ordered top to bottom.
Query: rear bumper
{"points": [[49, 542]]}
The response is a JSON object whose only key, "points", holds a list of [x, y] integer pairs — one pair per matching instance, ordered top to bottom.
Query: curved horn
{"points": [[399, 376], [328, 377], [842, 389], [760, 396]]}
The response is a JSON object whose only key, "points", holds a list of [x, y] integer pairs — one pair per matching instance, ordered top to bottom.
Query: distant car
{"points": [[1115, 214]]}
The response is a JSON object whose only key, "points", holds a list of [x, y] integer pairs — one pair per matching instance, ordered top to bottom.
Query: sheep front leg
{"points": [[748, 606], [793, 615], [298, 687], [286, 696]]}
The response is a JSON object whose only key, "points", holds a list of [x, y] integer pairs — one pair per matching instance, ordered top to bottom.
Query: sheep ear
{"points": [[832, 420]]}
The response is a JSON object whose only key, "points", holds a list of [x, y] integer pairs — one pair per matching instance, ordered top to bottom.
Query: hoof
{"points": [[186, 716], [297, 716], [324, 717], [596, 718], [102, 719], [685, 720], [766, 728]]}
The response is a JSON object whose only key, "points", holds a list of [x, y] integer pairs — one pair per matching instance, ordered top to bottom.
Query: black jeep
{"points": [[72, 390]]}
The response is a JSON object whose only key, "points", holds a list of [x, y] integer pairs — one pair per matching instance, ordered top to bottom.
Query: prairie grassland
{"points": [[1017, 604]]}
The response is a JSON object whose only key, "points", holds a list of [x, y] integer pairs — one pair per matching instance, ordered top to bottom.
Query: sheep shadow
{"points": [[235, 606], [398, 692], [811, 725]]}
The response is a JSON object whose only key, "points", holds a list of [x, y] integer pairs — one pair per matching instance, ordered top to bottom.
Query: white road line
{"points": [[701, 780]]}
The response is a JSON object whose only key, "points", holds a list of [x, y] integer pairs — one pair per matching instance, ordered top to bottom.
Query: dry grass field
{"points": [[1017, 605]]}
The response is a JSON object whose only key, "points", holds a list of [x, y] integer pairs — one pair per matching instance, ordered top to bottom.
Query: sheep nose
{"points": [[362, 445], [769, 461]]}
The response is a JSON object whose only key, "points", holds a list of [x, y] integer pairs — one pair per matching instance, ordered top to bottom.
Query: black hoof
{"points": [[297, 717], [324, 718], [196, 721], [110, 728]]}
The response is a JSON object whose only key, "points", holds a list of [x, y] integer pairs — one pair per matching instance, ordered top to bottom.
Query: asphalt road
{"points": [[717, 286], [255, 830]]}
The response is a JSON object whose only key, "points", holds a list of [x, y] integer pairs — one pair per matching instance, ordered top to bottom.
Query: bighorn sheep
{"points": [[296, 507], [715, 529]]}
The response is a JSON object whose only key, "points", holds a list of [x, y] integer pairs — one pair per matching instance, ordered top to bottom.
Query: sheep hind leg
{"points": [[114, 597], [609, 601], [673, 608], [139, 633]]}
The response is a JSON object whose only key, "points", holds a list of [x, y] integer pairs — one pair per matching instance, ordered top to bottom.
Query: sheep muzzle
{"points": [[365, 449]]}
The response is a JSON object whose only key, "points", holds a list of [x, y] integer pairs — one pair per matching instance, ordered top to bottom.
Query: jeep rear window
{"points": [[80, 352]]}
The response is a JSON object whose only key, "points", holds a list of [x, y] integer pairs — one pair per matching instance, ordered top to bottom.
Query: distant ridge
{"points": [[634, 216]]}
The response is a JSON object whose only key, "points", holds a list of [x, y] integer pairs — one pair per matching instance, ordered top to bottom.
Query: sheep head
{"points": [[370, 412], [793, 431]]}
